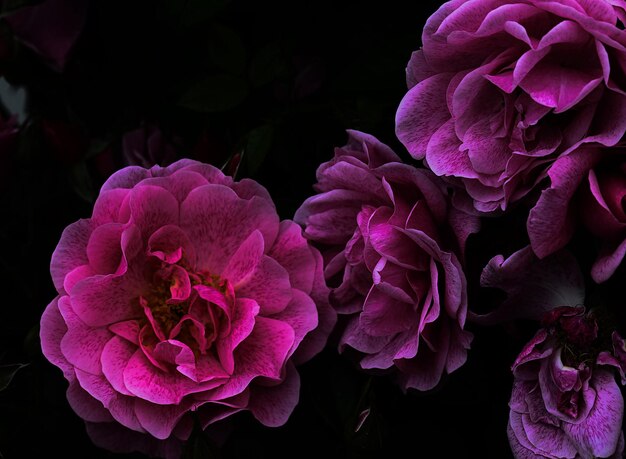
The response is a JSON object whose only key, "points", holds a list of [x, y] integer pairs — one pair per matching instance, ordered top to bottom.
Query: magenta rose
{"points": [[500, 89], [586, 189], [388, 236], [182, 293], [565, 401]]}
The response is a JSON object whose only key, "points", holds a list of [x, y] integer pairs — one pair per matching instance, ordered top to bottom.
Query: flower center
{"points": [[189, 306]]}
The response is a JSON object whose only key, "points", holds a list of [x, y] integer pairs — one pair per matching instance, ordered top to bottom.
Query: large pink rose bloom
{"points": [[502, 88], [388, 235], [182, 293], [565, 402]]}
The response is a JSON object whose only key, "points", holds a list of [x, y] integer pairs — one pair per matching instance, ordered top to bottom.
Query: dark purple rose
{"points": [[51, 28], [501, 89], [146, 147], [590, 190], [390, 242], [533, 286], [565, 401]]}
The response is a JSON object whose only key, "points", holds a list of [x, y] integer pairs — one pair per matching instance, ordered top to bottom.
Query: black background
{"points": [[303, 72]]}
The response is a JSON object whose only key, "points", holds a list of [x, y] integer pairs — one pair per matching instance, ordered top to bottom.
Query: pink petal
{"points": [[422, 112], [444, 155], [125, 178], [179, 184], [107, 208], [151, 208], [218, 221], [551, 222], [170, 244], [104, 249], [70, 252], [293, 253], [609, 259], [245, 260], [269, 286], [104, 300], [301, 315], [383, 315], [242, 324], [52, 330], [355, 337], [315, 340], [82, 345], [263, 353], [116, 354], [424, 371], [154, 385], [272, 405], [85, 406], [120, 407], [158, 420], [599, 434], [547, 438]]}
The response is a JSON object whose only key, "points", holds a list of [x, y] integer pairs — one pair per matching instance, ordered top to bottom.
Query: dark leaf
{"points": [[226, 50], [267, 65], [216, 93], [258, 144], [81, 181], [7, 372], [200, 446]]}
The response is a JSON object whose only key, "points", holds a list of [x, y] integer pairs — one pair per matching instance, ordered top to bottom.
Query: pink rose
{"points": [[501, 89], [388, 236], [182, 293], [565, 401]]}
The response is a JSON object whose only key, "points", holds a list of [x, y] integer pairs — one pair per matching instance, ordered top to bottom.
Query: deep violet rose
{"points": [[502, 88], [587, 190], [387, 234], [532, 286], [182, 293], [565, 401]]}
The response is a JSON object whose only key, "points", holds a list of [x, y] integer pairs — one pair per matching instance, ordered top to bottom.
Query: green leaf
{"points": [[226, 50], [267, 65], [216, 93], [259, 141], [81, 181], [7, 372], [199, 446]]}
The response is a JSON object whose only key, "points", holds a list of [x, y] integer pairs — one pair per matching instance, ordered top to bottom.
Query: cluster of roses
{"points": [[185, 299]]}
